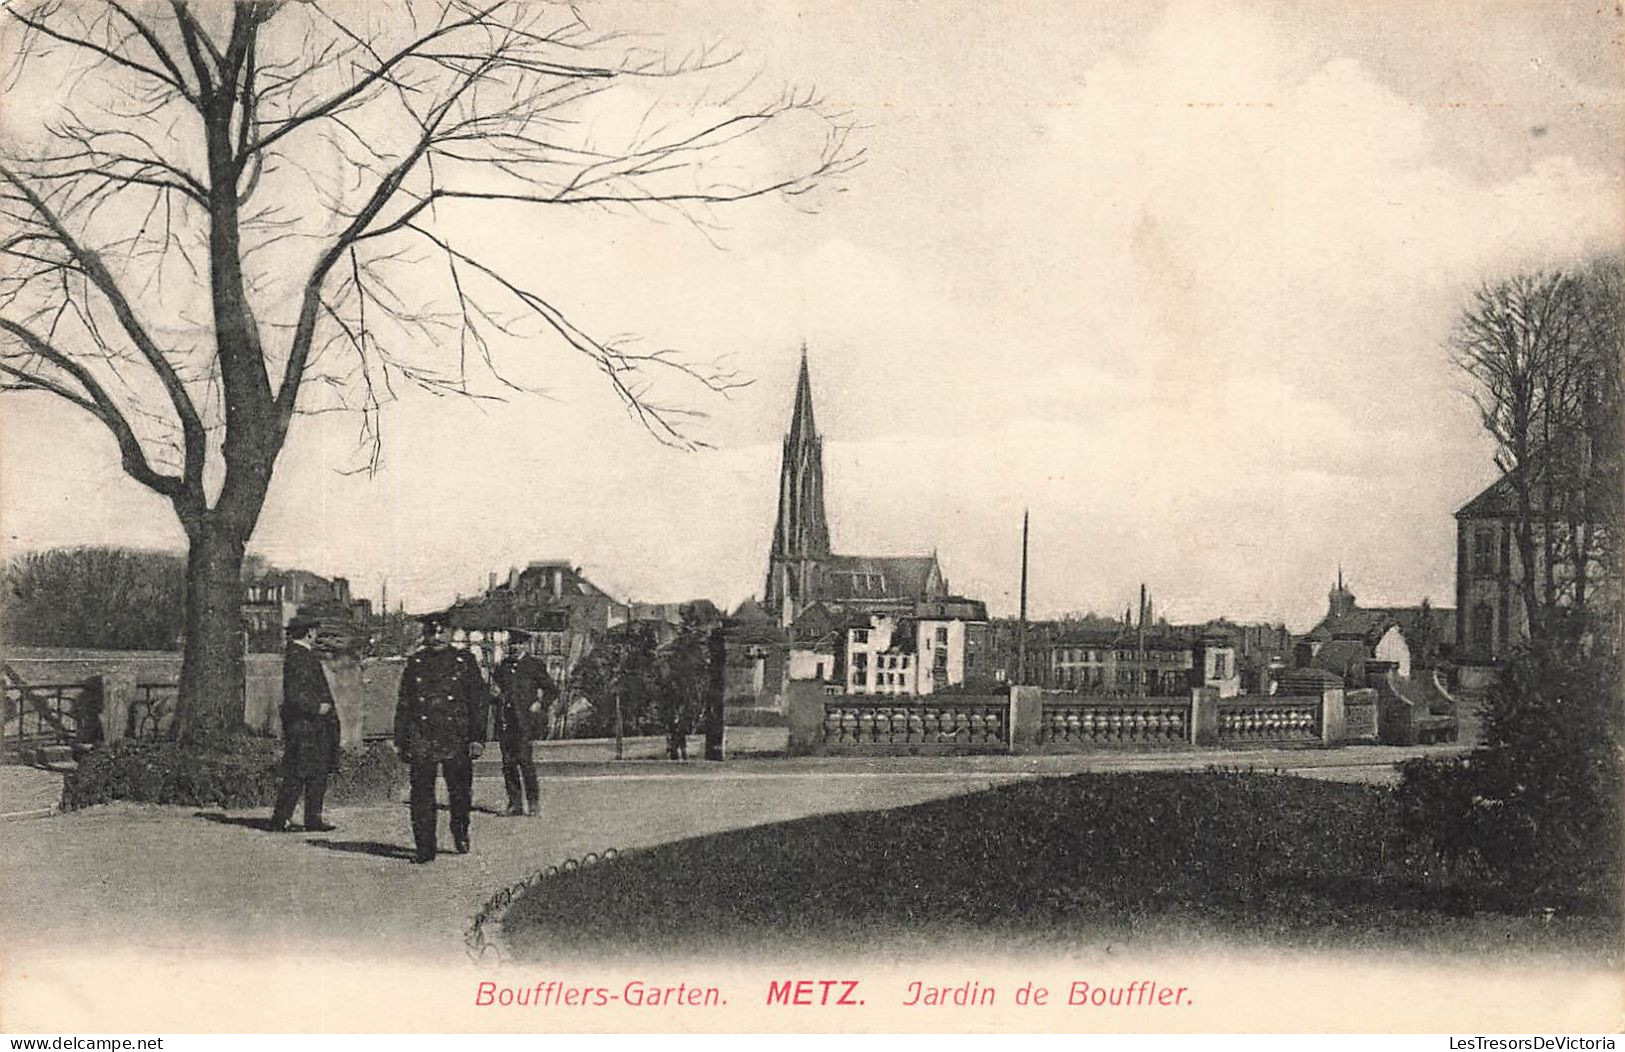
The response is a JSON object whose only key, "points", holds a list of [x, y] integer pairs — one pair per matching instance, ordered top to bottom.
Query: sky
{"points": [[1178, 278]]}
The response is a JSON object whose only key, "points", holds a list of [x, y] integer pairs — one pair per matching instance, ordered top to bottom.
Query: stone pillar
{"points": [[343, 673], [118, 694], [804, 706], [1026, 712], [1204, 716], [1333, 725]]}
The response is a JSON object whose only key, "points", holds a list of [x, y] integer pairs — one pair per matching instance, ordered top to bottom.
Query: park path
{"points": [[173, 879]]}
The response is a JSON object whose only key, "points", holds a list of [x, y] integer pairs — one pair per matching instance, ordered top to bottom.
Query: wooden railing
{"points": [[43, 715], [1248, 720], [1107, 722], [957, 724]]}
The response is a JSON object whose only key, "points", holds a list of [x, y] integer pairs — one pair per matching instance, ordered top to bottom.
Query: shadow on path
{"points": [[260, 822], [365, 847]]}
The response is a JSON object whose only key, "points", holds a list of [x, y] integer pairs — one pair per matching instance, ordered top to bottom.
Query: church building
{"points": [[801, 569]]}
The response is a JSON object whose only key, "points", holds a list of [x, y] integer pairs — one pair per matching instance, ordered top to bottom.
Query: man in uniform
{"points": [[522, 691], [440, 725], [310, 731]]}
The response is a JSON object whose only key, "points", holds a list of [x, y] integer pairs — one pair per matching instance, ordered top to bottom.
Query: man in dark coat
{"points": [[522, 691], [440, 725], [310, 731]]}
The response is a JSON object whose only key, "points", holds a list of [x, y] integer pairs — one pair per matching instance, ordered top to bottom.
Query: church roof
{"points": [[878, 576], [1367, 626], [1340, 656]]}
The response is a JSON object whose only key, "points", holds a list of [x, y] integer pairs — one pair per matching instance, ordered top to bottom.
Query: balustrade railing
{"points": [[1275, 719], [1101, 722], [968, 725]]}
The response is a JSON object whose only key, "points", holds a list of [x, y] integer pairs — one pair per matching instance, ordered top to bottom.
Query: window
{"points": [[1484, 550], [1483, 628], [860, 635], [942, 635], [860, 669]]}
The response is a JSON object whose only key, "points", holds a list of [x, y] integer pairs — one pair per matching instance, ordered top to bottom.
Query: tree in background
{"points": [[223, 216], [1543, 354], [94, 598], [684, 677], [619, 678], [1540, 801]]}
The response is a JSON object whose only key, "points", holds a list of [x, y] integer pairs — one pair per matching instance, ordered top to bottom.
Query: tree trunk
{"points": [[212, 666]]}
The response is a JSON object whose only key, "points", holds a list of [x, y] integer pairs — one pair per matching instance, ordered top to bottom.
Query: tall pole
{"points": [[1021, 628], [1139, 678]]}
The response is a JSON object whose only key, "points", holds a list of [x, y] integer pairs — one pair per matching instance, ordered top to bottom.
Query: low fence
{"points": [[38, 717], [1029, 720], [1270, 721], [1068, 723], [916, 725]]}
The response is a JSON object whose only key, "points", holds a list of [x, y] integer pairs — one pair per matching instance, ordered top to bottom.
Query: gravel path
{"points": [[176, 878]]}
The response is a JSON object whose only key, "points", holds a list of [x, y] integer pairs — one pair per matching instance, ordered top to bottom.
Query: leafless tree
{"points": [[246, 212], [1543, 353]]}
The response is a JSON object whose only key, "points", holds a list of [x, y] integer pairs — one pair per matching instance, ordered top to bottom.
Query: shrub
{"points": [[754, 717], [235, 770], [1540, 803]]}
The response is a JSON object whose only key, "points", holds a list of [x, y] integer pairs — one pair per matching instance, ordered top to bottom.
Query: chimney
{"points": [[491, 582], [558, 582]]}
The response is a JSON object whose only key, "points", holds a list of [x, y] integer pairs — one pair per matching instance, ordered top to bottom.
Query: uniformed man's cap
{"points": [[302, 623], [517, 635]]}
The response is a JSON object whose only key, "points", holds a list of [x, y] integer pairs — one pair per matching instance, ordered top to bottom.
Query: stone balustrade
{"points": [[1030, 720], [1271, 720], [1108, 722], [915, 724]]}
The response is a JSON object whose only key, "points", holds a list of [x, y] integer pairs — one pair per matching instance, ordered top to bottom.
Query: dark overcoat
{"points": [[520, 682], [442, 705], [310, 740]]}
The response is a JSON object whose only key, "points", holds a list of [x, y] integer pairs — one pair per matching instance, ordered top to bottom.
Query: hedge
{"points": [[236, 770]]}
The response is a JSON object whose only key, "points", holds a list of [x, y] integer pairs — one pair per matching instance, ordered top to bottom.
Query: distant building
{"points": [[801, 569], [272, 598], [551, 599], [1349, 635], [933, 647], [757, 656]]}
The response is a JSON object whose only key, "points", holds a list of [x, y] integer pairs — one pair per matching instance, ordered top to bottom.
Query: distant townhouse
{"points": [[272, 597], [564, 612]]}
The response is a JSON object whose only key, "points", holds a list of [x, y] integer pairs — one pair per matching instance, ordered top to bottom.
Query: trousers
{"points": [[519, 771], [459, 775], [313, 787]]}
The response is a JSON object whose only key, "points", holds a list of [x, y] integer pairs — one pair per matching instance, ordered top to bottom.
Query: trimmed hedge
{"points": [[754, 717], [233, 771]]}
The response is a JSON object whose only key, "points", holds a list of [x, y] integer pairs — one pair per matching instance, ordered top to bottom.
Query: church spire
{"points": [[802, 428], [801, 534]]}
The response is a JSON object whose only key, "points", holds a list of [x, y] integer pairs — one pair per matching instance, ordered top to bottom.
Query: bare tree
{"points": [[246, 212], [1543, 352]]}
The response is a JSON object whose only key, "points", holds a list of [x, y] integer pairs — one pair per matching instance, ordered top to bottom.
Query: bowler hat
{"points": [[302, 623]]}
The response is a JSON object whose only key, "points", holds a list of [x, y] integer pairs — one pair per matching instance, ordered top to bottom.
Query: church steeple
{"points": [[801, 534]]}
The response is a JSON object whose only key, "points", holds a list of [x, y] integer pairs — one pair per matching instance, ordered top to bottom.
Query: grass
{"points": [[1091, 860]]}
